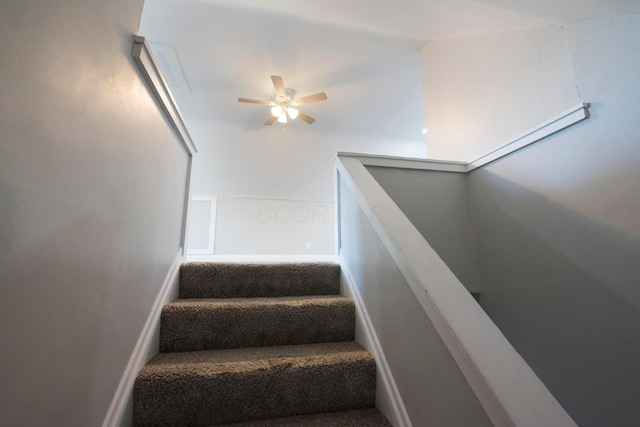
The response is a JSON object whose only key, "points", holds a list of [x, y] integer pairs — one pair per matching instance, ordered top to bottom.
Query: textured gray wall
{"points": [[92, 184], [437, 204], [559, 237], [433, 389]]}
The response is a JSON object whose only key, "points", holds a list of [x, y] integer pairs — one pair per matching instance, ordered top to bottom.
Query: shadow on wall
{"points": [[565, 290]]}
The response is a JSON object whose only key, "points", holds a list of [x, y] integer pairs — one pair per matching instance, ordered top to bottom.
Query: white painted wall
{"points": [[481, 92], [374, 99], [257, 164], [295, 164], [92, 184], [202, 225], [248, 226], [559, 236]]}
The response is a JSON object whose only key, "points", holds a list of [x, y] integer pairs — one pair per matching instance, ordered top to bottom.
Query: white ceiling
{"points": [[424, 20], [362, 53]]}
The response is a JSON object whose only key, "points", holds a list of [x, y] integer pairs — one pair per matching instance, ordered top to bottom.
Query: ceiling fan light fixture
{"points": [[286, 104], [276, 111]]}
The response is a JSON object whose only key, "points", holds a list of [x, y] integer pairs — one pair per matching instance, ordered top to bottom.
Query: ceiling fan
{"points": [[286, 104]]}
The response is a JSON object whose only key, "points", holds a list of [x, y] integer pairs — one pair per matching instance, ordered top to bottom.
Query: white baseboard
{"points": [[389, 401], [120, 411]]}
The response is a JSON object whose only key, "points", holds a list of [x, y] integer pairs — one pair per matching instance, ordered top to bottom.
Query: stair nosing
{"points": [[259, 301], [164, 361]]}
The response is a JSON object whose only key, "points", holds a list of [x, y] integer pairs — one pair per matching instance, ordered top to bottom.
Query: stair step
{"points": [[229, 280], [209, 324], [229, 386], [360, 418]]}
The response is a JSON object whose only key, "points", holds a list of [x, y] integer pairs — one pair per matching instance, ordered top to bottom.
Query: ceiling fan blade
{"points": [[278, 84], [312, 98], [254, 101], [305, 117], [270, 121]]}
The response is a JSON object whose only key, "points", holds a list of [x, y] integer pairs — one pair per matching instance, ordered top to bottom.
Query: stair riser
{"points": [[215, 280], [220, 328], [201, 400]]}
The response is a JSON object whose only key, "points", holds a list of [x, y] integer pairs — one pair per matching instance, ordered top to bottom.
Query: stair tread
{"points": [[228, 280], [257, 301], [209, 324], [260, 345], [214, 362], [237, 385], [360, 418]]}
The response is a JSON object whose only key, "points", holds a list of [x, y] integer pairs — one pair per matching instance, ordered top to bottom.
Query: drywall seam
{"points": [[573, 72], [143, 348], [399, 417]]}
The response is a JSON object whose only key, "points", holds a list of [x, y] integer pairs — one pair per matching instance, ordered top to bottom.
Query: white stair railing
{"points": [[509, 391]]}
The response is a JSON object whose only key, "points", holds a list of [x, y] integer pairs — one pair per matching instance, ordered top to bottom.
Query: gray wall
{"points": [[92, 183], [437, 204], [559, 237], [432, 387]]}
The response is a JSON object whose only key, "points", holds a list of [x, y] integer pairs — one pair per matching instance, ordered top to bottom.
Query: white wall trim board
{"points": [[144, 59], [151, 72], [575, 114], [407, 162], [270, 199], [186, 210], [336, 210], [212, 226], [256, 258], [145, 348], [506, 387], [390, 393]]}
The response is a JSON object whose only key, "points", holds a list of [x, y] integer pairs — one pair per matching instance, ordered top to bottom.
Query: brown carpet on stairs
{"points": [[228, 280], [201, 324], [258, 345], [224, 386], [361, 418]]}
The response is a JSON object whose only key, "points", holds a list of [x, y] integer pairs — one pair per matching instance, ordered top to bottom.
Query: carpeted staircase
{"points": [[258, 345]]}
